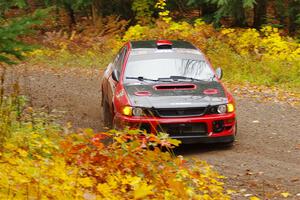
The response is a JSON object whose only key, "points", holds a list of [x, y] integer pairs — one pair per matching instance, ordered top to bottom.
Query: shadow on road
{"points": [[191, 149]]}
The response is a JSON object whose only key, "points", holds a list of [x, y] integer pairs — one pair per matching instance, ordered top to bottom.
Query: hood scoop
{"points": [[175, 87], [211, 91]]}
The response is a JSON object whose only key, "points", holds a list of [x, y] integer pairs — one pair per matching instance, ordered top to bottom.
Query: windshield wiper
{"points": [[141, 78], [177, 78], [212, 78], [167, 79]]}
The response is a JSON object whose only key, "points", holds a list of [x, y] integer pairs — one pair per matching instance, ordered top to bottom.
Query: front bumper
{"points": [[210, 135]]}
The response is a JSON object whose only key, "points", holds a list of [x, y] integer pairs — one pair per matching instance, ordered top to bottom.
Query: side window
{"points": [[117, 58], [118, 62]]}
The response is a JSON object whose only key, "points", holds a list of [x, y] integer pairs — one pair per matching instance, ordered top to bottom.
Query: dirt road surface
{"points": [[265, 160]]}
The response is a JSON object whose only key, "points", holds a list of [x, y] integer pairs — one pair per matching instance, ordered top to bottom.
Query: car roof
{"points": [[152, 44], [150, 49]]}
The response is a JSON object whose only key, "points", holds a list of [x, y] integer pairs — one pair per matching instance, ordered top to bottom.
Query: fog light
{"points": [[230, 107], [221, 109], [127, 110], [137, 112], [229, 120], [218, 126]]}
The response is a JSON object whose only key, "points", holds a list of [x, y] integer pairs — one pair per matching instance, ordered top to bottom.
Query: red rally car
{"points": [[168, 86]]}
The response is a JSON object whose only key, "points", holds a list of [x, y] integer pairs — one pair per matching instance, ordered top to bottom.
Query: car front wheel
{"points": [[231, 142]]}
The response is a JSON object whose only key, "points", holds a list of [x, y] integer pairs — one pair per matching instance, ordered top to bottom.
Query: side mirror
{"points": [[219, 73], [115, 75]]}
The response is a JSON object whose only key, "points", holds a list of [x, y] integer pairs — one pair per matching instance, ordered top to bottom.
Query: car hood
{"points": [[160, 95]]}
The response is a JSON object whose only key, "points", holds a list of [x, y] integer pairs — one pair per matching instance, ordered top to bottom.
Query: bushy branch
{"points": [[11, 47]]}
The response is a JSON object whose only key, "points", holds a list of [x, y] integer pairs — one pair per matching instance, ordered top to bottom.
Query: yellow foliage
{"points": [[163, 12], [181, 27], [136, 32], [267, 44], [40, 52], [261, 57], [41, 162], [122, 170], [86, 182], [105, 190], [142, 190]]}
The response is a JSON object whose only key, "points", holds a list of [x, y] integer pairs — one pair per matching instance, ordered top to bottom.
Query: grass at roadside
{"points": [[64, 58]]}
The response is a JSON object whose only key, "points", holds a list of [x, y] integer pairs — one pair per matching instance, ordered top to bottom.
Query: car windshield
{"points": [[168, 68]]}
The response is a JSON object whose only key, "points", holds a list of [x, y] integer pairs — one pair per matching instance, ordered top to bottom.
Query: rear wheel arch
{"points": [[103, 99], [112, 109]]}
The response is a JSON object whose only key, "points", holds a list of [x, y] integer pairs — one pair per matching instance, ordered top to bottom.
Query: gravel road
{"points": [[265, 160]]}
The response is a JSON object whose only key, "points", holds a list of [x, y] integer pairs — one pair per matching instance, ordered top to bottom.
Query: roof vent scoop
{"points": [[164, 44]]}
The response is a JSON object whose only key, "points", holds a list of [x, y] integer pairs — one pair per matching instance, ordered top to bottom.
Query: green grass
{"points": [[65, 58]]}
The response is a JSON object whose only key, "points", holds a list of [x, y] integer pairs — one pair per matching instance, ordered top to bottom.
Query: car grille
{"points": [[177, 112], [184, 129]]}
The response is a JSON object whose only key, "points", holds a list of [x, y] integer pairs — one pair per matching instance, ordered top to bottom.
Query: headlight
{"points": [[230, 107], [222, 109], [127, 110], [131, 111], [138, 112]]}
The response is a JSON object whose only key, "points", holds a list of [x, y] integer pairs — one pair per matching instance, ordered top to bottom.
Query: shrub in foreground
{"points": [[41, 161]]}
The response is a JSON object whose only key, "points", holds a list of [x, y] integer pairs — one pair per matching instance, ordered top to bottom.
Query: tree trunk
{"points": [[31, 5], [180, 5], [206, 10], [260, 11], [280, 11], [293, 11], [96, 13], [238, 13], [71, 14], [57, 15], [2, 79]]}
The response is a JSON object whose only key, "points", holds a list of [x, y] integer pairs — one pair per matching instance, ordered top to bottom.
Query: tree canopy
{"points": [[236, 13]]}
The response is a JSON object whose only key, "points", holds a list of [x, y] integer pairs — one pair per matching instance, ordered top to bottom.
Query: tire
{"points": [[107, 115], [231, 142], [228, 144]]}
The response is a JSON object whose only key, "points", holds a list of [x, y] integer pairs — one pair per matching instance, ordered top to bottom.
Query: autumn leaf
{"points": [[22, 152], [85, 182], [104, 189], [142, 190], [230, 191], [285, 194]]}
